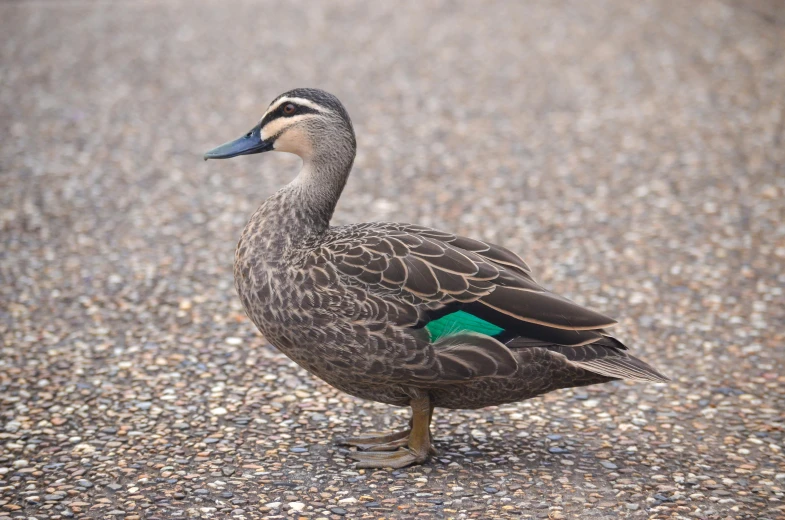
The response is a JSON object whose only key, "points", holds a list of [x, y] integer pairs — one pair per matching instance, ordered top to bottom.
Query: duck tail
{"points": [[611, 362]]}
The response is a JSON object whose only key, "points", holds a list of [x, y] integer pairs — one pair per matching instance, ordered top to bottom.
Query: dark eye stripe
{"points": [[278, 112]]}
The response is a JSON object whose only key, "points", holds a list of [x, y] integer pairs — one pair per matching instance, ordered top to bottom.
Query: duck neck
{"points": [[319, 185]]}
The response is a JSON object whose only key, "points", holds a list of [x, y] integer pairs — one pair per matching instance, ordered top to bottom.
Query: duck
{"points": [[399, 313]]}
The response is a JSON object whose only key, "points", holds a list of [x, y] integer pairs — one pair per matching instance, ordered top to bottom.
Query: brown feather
{"points": [[544, 308], [470, 356]]}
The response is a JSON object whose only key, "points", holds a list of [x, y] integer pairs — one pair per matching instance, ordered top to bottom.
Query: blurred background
{"points": [[633, 153]]}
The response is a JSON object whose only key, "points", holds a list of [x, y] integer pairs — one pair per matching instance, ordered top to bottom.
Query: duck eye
{"points": [[289, 109]]}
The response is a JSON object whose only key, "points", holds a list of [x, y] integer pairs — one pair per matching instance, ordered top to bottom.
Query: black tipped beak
{"points": [[248, 144]]}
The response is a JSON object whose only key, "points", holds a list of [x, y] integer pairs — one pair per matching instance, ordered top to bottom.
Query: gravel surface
{"points": [[634, 154]]}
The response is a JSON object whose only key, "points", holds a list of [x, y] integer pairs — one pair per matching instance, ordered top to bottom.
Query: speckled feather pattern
{"points": [[322, 299], [349, 304]]}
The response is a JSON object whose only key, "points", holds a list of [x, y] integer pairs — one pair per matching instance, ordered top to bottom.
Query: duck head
{"points": [[307, 122]]}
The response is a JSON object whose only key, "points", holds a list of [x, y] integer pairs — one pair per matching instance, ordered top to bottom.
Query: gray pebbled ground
{"points": [[634, 153]]}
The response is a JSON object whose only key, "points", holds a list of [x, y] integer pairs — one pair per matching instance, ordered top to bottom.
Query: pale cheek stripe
{"points": [[277, 126]]}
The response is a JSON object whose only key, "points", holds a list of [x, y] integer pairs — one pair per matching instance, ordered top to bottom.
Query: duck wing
{"points": [[439, 274], [474, 307]]}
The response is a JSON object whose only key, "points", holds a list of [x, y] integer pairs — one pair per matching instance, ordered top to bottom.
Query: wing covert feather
{"points": [[432, 269]]}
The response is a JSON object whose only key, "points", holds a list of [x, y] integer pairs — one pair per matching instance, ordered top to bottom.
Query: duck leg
{"points": [[417, 449]]}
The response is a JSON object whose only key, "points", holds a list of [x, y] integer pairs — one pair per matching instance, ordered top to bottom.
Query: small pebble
{"points": [[296, 506]]}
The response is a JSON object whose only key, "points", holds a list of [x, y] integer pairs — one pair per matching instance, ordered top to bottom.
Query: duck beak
{"points": [[248, 144]]}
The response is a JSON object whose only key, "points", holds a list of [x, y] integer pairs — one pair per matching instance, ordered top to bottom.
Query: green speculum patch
{"points": [[458, 322]]}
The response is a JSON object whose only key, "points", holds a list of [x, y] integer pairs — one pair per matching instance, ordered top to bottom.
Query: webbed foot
{"points": [[377, 441], [397, 449], [388, 459]]}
